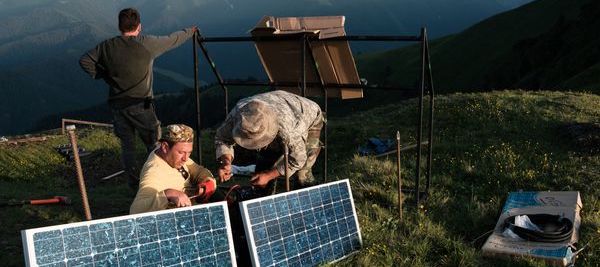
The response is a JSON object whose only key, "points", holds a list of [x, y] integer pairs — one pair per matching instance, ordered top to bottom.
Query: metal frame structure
{"points": [[426, 82]]}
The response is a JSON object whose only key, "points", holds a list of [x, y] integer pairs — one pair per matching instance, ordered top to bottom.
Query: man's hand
{"points": [[224, 171], [261, 179], [206, 189], [178, 198]]}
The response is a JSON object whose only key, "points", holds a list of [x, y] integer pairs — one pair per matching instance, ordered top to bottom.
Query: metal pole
{"points": [[283, 37], [303, 53], [216, 73], [324, 88], [197, 89], [411, 91], [431, 109], [65, 121], [325, 123], [420, 126], [112, 175], [399, 175], [287, 176], [80, 181]]}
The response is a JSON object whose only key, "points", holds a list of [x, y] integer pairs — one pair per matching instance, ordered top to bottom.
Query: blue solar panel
{"points": [[306, 227], [192, 236]]}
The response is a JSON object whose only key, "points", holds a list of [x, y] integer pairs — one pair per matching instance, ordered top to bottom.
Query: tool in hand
{"points": [[208, 189]]}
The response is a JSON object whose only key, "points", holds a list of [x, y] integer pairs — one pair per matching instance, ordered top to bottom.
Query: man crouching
{"points": [[169, 177]]}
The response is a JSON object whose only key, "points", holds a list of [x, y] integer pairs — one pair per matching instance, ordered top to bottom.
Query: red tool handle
{"points": [[209, 190], [44, 201]]}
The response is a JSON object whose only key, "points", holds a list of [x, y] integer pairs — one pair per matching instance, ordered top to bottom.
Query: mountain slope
{"points": [[509, 50], [563, 57]]}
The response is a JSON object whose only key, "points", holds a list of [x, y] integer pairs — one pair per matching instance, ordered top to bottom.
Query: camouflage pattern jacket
{"points": [[296, 115]]}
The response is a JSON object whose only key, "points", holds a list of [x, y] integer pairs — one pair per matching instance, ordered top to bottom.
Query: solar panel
{"points": [[306, 227], [193, 236]]}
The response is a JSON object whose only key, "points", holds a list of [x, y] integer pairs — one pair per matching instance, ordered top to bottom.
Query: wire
{"points": [[230, 201], [554, 228]]}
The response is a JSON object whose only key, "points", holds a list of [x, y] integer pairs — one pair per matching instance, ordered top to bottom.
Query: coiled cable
{"points": [[554, 228]]}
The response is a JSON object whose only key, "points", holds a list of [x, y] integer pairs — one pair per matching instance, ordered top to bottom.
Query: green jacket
{"points": [[125, 64]]}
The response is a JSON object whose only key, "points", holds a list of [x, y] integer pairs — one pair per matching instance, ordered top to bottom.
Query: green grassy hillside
{"points": [[546, 44], [485, 146]]}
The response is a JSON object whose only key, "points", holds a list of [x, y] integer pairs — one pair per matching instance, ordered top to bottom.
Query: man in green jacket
{"points": [[125, 63]]}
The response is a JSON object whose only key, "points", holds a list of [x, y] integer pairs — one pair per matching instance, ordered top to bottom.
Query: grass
{"points": [[485, 146]]}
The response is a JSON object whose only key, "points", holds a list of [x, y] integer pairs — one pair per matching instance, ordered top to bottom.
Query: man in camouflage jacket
{"points": [[269, 122]]}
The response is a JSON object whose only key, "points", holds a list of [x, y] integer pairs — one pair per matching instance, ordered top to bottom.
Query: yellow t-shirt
{"points": [[157, 175]]}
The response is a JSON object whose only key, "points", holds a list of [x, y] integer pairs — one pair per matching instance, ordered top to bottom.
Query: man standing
{"points": [[125, 63], [269, 122], [170, 176]]}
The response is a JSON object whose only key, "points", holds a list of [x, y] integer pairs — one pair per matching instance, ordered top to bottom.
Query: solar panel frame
{"points": [[275, 228], [100, 242]]}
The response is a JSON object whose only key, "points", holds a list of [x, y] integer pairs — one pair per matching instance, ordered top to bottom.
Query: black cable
{"points": [[554, 228]]}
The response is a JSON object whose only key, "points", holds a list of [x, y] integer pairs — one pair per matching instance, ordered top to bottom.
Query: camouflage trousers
{"points": [[313, 148], [274, 156]]}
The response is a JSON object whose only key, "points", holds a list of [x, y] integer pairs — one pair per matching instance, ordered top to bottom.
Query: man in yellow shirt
{"points": [[169, 177]]}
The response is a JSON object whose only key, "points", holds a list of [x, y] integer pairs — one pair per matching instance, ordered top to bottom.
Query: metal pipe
{"points": [[313, 37], [303, 54], [215, 72], [322, 82], [316, 84], [197, 90], [431, 110], [65, 121], [325, 123], [420, 126], [407, 147], [287, 172], [399, 174], [112, 175], [80, 181]]}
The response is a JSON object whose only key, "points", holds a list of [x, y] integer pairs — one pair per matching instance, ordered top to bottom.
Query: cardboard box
{"points": [[282, 60], [566, 204]]}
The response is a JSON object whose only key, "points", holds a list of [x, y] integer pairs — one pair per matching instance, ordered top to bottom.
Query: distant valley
{"points": [[41, 41]]}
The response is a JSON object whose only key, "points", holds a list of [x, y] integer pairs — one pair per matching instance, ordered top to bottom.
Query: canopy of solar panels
{"points": [[306, 227], [193, 236]]}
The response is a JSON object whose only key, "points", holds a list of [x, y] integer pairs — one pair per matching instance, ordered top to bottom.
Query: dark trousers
{"points": [[139, 118]]}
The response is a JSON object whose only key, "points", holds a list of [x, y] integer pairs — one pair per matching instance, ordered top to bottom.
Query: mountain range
{"points": [[41, 41], [543, 45]]}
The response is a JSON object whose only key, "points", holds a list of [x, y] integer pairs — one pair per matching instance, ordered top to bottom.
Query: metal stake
{"points": [[399, 175], [287, 177], [80, 181]]}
